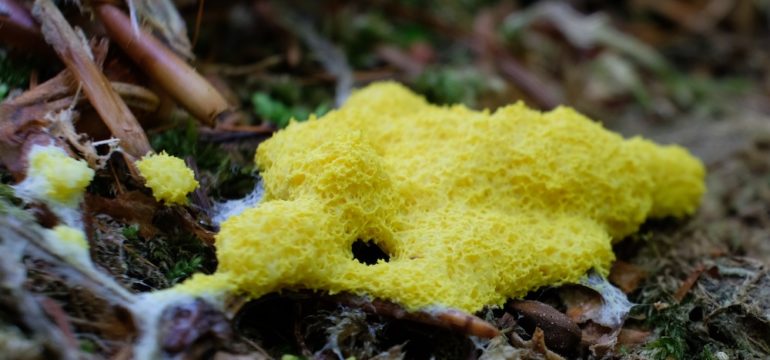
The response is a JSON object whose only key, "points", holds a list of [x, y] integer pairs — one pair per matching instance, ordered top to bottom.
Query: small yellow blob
{"points": [[56, 177], [168, 177], [472, 207], [70, 237], [69, 242]]}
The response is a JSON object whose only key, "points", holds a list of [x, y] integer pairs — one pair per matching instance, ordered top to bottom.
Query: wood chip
{"points": [[76, 56]]}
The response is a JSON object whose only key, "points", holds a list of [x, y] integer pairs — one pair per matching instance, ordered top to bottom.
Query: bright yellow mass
{"points": [[168, 177], [472, 207]]}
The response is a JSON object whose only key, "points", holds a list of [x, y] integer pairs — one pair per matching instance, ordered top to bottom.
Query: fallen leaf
{"points": [[132, 207], [627, 276]]}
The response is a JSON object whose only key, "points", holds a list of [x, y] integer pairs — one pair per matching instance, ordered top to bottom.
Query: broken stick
{"points": [[75, 55]]}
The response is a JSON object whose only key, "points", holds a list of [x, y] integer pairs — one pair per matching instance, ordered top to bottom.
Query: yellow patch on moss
{"points": [[54, 176], [168, 177], [472, 207]]}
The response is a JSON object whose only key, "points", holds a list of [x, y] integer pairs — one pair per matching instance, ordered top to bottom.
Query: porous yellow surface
{"points": [[55, 176], [168, 177], [472, 207]]}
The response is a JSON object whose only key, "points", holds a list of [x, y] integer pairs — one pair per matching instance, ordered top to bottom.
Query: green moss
{"points": [[13, 74], [447, 85], [278, 113], [183, 141], [10, 204], [131, 232], [176, 254], [183, 268], [88, 346], [668, 347]]}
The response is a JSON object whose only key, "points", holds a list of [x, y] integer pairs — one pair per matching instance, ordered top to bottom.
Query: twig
{"points": [[78, 60], [172, 73], [56, 87], [58, 93], [43, 114], [23, 122], [237, 133], [452, 319]]}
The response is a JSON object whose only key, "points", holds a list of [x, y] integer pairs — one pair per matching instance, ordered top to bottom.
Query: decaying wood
{"points": [[75, 55], [161, 64], [46, 114], [22, 120]]}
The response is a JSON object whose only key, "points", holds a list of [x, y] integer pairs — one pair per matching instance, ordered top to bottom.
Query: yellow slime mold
{"points": [[55, 177], [168, 177], [472, 207]]}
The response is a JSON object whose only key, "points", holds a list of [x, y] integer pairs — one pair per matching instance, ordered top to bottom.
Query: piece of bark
{"points": [[73, 52]]}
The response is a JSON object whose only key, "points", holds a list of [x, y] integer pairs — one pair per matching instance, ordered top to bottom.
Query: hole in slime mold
{"points": [[368, 252]]}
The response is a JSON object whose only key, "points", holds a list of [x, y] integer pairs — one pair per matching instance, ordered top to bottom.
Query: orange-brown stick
{"points": [[72, 51], [172, 73]]}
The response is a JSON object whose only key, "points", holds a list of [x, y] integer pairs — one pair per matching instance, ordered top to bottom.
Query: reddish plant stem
{"points": [[19, 29], [172, 73], [452, 319]]}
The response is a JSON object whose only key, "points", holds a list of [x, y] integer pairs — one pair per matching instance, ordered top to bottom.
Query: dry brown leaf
{"points": [[132, 207], [626, 276]]}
